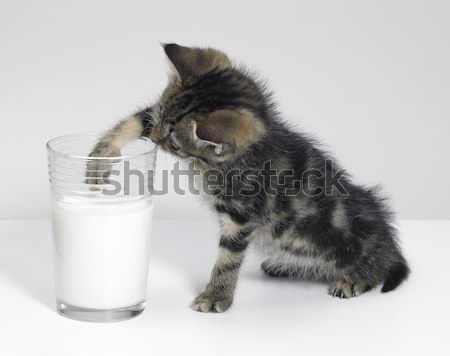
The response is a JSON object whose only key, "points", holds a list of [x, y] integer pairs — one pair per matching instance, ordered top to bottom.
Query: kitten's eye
{"points": [[173, 144]]}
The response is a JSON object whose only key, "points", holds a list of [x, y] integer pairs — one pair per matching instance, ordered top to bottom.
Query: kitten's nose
{"points": [[154, 136]]}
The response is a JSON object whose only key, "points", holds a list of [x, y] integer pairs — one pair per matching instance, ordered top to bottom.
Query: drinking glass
{"points": [[101, 227]]}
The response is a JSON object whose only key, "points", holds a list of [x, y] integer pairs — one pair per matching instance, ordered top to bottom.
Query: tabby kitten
{"points": [[219, 117]]}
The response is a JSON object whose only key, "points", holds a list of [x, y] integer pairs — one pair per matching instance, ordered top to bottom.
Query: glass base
{"points": [[99, 315]]}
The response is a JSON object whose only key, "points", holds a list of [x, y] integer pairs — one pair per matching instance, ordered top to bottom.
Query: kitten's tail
{"points": [[397, 274]]}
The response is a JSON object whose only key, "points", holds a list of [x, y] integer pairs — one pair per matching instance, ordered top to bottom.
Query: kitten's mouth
{"points": [[173, 144]]}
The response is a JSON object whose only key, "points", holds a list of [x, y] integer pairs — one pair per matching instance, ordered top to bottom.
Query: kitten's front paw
{"points": [[98, 168], [97, 172], [207, 303]]}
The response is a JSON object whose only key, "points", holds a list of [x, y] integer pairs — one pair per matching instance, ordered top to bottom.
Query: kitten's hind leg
{"points": [[277, 269], [343, 289]]}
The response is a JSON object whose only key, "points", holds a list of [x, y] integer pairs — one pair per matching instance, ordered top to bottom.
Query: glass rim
{"points": [[50, 147]]}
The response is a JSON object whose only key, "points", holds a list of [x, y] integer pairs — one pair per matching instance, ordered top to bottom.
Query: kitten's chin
{"points": [[178, 153], [181, 154]]}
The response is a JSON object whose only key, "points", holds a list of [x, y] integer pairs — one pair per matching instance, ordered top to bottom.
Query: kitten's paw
{"points": [[98, 168], [273, 270], [343, 289], [207, 303]]}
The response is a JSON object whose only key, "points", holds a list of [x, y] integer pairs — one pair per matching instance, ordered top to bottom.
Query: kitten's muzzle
{"points": [[157, 135], [154, 136], [173, 143]]}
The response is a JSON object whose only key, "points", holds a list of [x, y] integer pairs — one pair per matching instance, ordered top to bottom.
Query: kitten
{"points": [[218, 116]]}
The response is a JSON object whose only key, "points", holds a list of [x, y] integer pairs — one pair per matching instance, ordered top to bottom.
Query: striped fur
{"points": [[222, 118]]}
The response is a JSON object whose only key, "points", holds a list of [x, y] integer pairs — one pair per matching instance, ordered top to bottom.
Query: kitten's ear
{"points": [[191, 62], [230, 130], [201, 144]]}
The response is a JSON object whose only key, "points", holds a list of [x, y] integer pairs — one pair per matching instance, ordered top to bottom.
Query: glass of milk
{"points": [[101, 232]]}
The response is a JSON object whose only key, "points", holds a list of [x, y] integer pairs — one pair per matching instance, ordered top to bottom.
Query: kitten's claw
{"points": [[343, 289], [207, 303]]}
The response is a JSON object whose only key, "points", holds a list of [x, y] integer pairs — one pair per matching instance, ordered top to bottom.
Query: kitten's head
{"points": [[210, 109]]}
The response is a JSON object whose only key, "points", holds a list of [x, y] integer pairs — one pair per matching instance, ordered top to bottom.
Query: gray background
{"points": [[370, 78]]}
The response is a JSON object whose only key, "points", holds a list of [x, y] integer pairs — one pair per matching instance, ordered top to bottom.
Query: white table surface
{"points": [[269, 317]]}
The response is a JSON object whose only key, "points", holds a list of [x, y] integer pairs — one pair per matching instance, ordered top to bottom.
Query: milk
{"points": [[101, 249]]}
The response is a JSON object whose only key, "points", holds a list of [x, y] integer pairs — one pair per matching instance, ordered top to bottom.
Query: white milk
{"points": [[101, 251]]}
